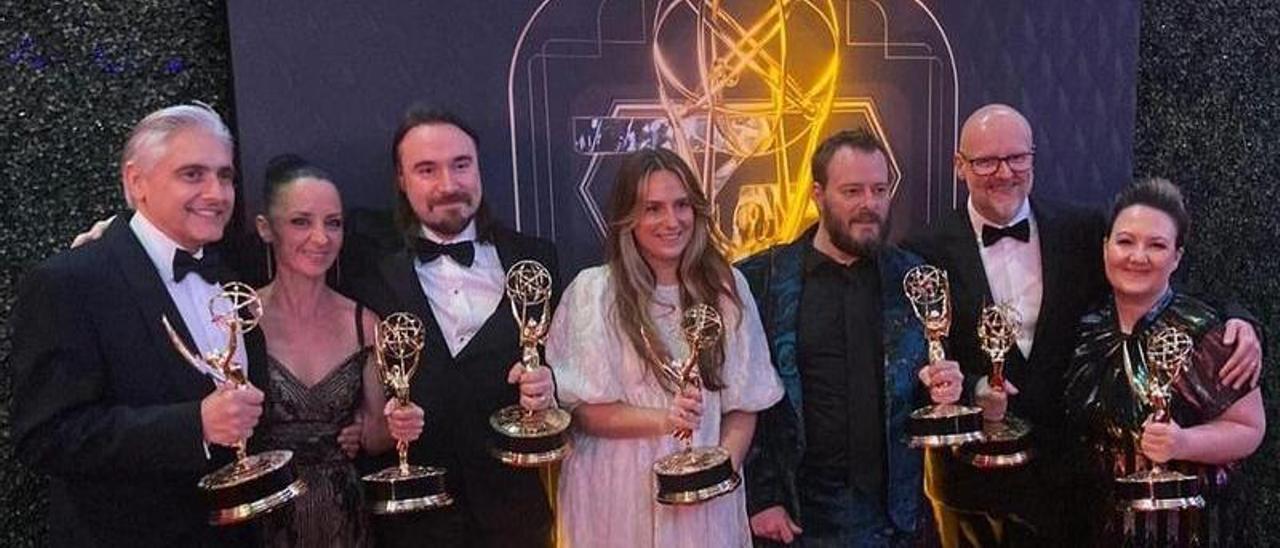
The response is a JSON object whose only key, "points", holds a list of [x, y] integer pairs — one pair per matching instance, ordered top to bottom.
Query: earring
{"points": [[337, 271], [271, 272]]}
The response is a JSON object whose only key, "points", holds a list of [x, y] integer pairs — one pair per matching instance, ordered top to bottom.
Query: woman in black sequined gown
{"points": [[325, 401]]}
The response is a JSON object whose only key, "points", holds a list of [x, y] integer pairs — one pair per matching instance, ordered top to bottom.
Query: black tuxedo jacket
{"points": [[1073, 279], [459, 393], [106, 406]]}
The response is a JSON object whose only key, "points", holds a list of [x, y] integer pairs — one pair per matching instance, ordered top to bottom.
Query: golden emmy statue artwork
{"points": [[1167, 354], [940, 425], [530, 438], [1006, 444], [694, 474], [255, 484], [406, 487]]}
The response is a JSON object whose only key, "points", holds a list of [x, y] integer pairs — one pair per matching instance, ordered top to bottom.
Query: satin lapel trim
{"points": [[507, 256], [968, 258], [1051, 262], [403, 279], [154, 302]]}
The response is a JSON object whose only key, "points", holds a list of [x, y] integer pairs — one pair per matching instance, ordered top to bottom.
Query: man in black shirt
{"points": [[841, 370]]}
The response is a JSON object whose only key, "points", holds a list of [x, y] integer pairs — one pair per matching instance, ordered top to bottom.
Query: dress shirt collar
{"points": [[160, 248]]}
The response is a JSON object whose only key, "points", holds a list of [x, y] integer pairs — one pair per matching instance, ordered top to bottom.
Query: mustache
{"points": [[452, 198], [866, 216]]}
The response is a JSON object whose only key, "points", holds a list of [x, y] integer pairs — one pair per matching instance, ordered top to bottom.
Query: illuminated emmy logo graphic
{"points": [[743, 90]]}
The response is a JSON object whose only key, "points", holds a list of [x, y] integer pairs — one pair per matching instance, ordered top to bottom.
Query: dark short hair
{"points": [[422, 115], [857, 139], [284, 169], [1156, 193]]}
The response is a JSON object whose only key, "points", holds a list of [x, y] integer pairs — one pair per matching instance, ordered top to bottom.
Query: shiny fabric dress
{"points": [[1108, 416], [306, 420]]}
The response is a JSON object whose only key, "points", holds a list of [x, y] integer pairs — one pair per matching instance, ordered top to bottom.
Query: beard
{"points": [[450, 223], [842, 237]]}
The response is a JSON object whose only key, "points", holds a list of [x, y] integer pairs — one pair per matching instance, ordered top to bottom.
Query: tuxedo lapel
{"points": [[1053, 245], [507, 255], [968, 261], [402, 278], [970, 289], [153, 301], [491, 326]]}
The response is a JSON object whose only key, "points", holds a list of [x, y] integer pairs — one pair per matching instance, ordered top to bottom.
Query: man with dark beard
{"points": [[451, 274], [829, 465]]}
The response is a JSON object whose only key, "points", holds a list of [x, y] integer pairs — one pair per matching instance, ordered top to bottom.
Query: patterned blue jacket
{"points": [[776, 277]]}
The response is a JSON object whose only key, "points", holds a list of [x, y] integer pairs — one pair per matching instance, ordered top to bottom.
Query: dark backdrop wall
{"points": [[75, 75], [330, 79]]}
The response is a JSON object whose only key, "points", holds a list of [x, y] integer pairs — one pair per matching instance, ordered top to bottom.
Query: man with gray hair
{"points": [[103, 402]]}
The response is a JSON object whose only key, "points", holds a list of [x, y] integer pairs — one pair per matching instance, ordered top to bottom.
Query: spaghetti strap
{"points": [[360, 325]]}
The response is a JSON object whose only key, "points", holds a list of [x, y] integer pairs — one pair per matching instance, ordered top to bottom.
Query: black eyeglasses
{"points": [[987, 165]]}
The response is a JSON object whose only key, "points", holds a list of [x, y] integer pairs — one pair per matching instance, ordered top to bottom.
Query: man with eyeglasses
{"points": [[1043, 259]]}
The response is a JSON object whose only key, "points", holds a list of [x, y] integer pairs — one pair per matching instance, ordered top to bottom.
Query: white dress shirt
{"points": [[1013, 271], [191, 295], [462, 298]]}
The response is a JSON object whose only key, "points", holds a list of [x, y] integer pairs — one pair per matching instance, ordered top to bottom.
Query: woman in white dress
{"points": [[615, 325]]}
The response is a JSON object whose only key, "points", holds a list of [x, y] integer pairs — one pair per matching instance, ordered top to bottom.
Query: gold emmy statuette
{"points": [[1168, 352], [940, 425], [530, 438], [1006, 443], [694, 474], [254, 484], [404, 488]]}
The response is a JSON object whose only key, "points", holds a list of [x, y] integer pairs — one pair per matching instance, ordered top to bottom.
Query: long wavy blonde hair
{"points": [[704, 274]]}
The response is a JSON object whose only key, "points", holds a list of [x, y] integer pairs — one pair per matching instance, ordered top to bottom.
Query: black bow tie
{"points": [[1020, 231], [464, 253], [208, 268]]}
